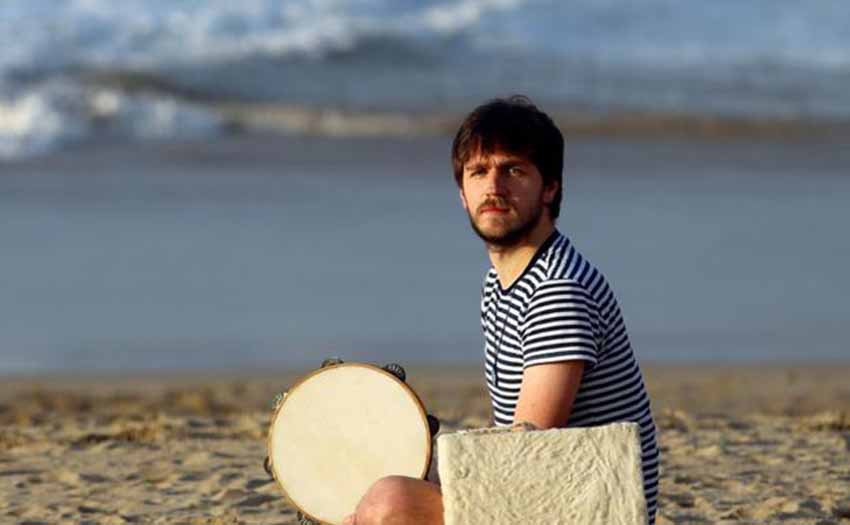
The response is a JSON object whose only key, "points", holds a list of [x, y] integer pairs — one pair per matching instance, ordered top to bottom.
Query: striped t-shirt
{"points": [[562, 309]]}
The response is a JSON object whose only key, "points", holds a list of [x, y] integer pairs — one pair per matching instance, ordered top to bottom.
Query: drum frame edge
{"points": [[405, 387]]}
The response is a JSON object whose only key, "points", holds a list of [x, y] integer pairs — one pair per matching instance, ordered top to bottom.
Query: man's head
{"points": [[507, 158]]}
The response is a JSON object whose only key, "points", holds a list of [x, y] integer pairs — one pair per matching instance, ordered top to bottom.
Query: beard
{"points": [[513, 235]]}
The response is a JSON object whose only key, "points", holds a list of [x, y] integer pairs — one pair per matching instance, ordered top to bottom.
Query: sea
{"points": [[79, 71], [146, 225]]}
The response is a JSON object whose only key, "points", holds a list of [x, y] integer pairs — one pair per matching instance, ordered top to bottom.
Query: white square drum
{"points": [[340, 429]]}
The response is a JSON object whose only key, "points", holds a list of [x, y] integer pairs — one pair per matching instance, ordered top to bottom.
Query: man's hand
{"points": [[547, 393], [524, 426]]}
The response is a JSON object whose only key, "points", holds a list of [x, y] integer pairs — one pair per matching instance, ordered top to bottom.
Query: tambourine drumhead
{"points": [[339, 430]]}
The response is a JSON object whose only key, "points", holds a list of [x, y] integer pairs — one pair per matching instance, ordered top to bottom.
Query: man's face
{"points": [[504, 195]]}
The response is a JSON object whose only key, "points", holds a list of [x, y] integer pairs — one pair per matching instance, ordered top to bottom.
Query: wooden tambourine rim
{"points": [[405, 387]]}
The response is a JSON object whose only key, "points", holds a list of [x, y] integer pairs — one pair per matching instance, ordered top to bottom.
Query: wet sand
{"points": [[746, 445]]}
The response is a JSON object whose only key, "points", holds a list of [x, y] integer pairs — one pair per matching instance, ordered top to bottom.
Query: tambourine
{"points": [[341, 428]]}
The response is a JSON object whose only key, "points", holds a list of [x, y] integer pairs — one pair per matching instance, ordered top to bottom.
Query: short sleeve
{"points": [[560, 324]]}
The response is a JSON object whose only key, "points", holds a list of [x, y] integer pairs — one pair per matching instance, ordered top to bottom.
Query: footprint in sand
{"points": [[195, 459], [157, 474], [193, 476], [67, 477], [227, 477], [95, 478], [257, 483], [209, 484], [231, 495], [682, 500], [256, 501], [770, 508], [88, 509]]}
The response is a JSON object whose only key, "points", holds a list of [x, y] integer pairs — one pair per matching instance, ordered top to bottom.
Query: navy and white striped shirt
{"points": [[562, 309]]}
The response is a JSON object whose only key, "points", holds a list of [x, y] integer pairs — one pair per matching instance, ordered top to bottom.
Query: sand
{"points": [[746, 445]]}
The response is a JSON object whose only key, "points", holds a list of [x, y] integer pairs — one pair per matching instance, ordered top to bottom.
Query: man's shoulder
{"points": [[563, 262], [567, 269]]}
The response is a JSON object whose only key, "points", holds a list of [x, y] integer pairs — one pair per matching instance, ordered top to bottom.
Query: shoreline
{"points": [[574, 124], [741, 389]]}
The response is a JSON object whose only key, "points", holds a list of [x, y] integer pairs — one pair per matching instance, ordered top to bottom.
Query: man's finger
{"points": [[524, 426], [349, 520]]}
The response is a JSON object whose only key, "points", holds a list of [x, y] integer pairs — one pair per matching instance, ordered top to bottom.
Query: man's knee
{"points": [[386, 498], [397, 499]]}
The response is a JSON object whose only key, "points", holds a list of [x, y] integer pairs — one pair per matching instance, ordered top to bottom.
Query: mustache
{"points": [[494, 203]]}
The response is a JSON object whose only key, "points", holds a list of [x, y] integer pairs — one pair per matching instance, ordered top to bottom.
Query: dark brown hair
{"points": [[516, 126]]}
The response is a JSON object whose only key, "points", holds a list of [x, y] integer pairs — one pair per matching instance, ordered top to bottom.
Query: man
{"points": [[556, 349]]}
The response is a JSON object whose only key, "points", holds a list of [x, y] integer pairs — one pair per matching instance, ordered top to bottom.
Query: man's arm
{"points": [[558, 344], [547, 393]]}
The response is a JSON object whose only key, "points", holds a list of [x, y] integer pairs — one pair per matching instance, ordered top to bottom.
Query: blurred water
{"points": [[79, 69], [247, 253]]}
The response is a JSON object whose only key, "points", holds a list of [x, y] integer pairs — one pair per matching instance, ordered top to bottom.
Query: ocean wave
{"points": [[149, 34], [157, 34], [342, 67], [59, 113], [39, 123]]}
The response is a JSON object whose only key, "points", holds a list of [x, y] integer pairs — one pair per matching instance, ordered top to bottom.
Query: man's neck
{"points": [[511, 261]]}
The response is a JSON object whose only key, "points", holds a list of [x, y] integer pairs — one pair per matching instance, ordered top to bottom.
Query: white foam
{"points": [[452, 18], [151, 33], [51, 36], [741, 58], [59, 113], [151, 117], [39, 121]]}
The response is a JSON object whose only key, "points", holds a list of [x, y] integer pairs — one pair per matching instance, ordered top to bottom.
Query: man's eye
{"points": [[516, 170], [476, 173]]}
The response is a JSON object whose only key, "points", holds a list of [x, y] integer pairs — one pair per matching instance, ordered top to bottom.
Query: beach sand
{"points": [[740, 445]]}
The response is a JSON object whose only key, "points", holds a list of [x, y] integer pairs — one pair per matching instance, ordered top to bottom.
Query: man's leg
{"points": [[398, 500]]}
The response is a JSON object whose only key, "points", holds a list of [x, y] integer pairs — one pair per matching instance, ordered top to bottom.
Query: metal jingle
{"points": [[331, 361], [396, 370], [278, 399], [433, 425], [267, 466], [304, 520]]}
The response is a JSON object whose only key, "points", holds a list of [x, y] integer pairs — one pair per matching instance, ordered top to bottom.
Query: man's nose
{"points": [[495, 182]]}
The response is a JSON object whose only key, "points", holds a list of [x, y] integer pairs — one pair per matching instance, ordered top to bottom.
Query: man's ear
{"points": [[550, 191], [463, 199]]}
